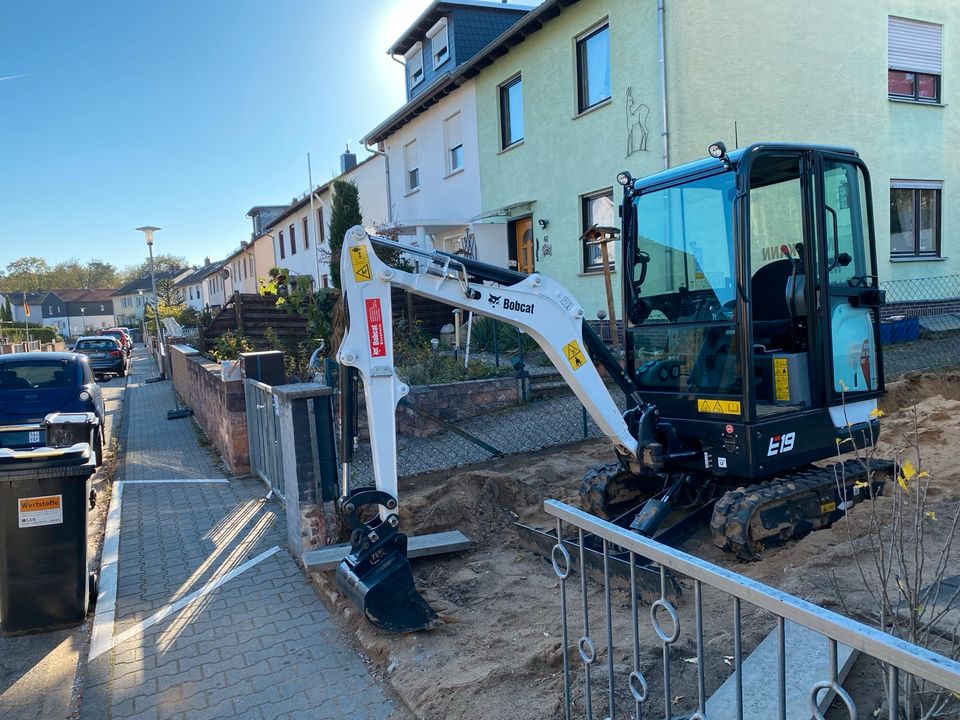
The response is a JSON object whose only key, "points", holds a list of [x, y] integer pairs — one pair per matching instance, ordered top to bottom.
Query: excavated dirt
{"points": [[498, 652]]}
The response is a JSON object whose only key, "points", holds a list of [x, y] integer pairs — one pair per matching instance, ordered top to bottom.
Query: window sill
{"points": [[908, 101], [587, 111], [508, 148], [452, 173], [415, 190], [919, 258], [595, 273]]}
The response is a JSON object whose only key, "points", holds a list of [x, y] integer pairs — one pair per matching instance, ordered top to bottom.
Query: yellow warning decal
{"points": [[361, 263], [574, 354], [781, 379], [721, 407], [828, 507]]}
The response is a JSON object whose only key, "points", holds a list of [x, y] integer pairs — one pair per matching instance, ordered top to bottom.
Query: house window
{"points": [[439, 47], [414, 58], [914, 60], [593, 68], [511, 112], [453, 134], [411, 165], [597, 209], [915, 219], [321, 233], [306, 234], [293, 239], [283, 252], [245, 269], [324, 281], [102, 309]]}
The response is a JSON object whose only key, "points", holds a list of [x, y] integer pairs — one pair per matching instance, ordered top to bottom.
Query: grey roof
{"points": [[439, 8], [447, 83], [198, 274], [144, 283], [33, 297]]}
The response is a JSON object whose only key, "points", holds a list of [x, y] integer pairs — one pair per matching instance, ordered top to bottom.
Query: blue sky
{"points": [[116, 114]]}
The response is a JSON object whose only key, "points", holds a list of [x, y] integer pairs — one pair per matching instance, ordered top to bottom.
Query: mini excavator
{"points": [[751, 305]]}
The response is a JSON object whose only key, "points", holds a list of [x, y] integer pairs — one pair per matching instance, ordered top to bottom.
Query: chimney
{"points": [[348, 160], [206, 261]]}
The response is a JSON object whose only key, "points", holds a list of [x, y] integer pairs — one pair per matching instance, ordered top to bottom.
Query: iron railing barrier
{"points": [[896, 655]]}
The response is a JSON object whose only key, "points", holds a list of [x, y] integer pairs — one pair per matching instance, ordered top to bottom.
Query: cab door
{"points": [[850, 305]]}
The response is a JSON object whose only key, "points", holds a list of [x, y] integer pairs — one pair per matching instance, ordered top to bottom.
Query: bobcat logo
{"points": [[494, 299]]}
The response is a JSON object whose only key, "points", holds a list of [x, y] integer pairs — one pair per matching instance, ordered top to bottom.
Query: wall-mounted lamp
{"points": [[542, 222]]}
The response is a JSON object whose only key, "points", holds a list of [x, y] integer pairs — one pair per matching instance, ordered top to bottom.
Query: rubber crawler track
{"points": [[737, 526]]}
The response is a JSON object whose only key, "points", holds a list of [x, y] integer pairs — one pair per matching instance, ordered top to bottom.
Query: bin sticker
{"points": [[378, 343], [781, 377], [37, 511]]}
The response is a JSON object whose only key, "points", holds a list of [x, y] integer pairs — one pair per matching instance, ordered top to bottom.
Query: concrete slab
{"points": [[417, 546], [807, 657]]}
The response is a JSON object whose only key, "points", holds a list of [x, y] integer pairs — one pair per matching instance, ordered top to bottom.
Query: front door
{"points": [[523, 239]]}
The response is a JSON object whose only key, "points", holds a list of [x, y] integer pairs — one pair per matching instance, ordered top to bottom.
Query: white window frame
{"points": [[439, 37], [414, 63], [453, 139], [411, 165]]}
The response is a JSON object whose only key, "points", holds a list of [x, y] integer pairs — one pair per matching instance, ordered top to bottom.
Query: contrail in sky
{"points": [[11, 77]]}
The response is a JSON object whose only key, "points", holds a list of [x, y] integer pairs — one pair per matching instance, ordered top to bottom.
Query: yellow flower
{"points": [[877, 413], [931, 514]]}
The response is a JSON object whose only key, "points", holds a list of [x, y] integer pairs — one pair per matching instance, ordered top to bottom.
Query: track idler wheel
{"points": [[608, 491], [376, 574]]}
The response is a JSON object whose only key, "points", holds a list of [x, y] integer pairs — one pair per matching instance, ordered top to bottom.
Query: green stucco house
{"points": [[579, 90]]}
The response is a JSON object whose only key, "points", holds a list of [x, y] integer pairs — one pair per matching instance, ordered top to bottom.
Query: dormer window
{"points": [[440, 50], [414, 58]]}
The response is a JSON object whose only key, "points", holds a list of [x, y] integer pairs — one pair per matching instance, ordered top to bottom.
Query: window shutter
{"points": [[914, 45], [454, 131], [410, 156]]}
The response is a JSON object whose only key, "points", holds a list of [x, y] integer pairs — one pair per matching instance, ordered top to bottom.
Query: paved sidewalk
{"points": [[212, 617]]}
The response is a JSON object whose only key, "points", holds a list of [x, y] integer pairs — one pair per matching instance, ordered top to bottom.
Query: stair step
{"points": [[807, 657]]}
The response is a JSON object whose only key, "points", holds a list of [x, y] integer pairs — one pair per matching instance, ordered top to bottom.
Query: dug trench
{"points": [[497, 653]]}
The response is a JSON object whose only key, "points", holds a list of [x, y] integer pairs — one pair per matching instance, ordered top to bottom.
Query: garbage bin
{"points": [[44, 574]]}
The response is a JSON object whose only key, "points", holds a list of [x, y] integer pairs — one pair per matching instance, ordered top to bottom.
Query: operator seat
{"points": [[772, 319]]}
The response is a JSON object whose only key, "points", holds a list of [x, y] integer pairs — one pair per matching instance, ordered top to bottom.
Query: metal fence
{"points": [[920, 326], [263, 428], [631, 683]]}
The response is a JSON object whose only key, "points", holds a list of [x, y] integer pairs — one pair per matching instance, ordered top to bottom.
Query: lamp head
{"points": [[148, 230]]}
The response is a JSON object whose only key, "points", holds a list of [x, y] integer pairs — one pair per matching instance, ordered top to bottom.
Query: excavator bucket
{"points": [[376, 574]]}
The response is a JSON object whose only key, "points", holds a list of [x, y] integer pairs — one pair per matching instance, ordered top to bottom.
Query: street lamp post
{"points": [[148, 231], [83, 321]]}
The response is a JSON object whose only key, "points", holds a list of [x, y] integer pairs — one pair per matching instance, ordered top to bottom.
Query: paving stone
{"points": [[260, 646]]}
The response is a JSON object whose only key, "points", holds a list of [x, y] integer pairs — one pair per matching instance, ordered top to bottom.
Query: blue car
{"points": [[36, 385]]}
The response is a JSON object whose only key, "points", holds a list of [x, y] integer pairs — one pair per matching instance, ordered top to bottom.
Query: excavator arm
{"points": [[539, 306], [376, 574]]}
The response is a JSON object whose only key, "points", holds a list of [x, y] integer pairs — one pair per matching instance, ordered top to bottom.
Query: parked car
{"points": [[126, 340], [107, 356], [36, 384]]}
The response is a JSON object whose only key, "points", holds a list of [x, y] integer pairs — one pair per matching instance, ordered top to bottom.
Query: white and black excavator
{"points": [[751, 305]]}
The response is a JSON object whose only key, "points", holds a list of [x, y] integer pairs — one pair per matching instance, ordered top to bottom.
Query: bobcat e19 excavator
{"points": [[751, 308]]}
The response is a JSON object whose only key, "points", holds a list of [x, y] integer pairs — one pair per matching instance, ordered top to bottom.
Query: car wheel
{"points": [[98, 445]]}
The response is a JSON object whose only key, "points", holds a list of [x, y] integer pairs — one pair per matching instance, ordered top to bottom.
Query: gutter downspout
{"points": [[665, 135], [386, 167]]}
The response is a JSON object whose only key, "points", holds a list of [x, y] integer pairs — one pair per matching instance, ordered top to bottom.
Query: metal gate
{"points": [[263, 427]]}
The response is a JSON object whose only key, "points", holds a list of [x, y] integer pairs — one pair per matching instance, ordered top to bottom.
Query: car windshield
{"points": [[105, 343], [38, 374]]}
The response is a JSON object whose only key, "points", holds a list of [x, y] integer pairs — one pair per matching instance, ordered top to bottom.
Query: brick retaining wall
{"points": [[452, 402], [219, 407]]}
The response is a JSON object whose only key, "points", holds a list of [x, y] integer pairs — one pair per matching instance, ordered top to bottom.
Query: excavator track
{"points": [[748, 519]]}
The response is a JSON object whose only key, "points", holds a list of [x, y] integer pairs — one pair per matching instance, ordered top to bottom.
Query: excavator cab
{"points": [[752, 308]]}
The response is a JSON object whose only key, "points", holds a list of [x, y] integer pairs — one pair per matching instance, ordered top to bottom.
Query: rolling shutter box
{"points": [[914, 45]]}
